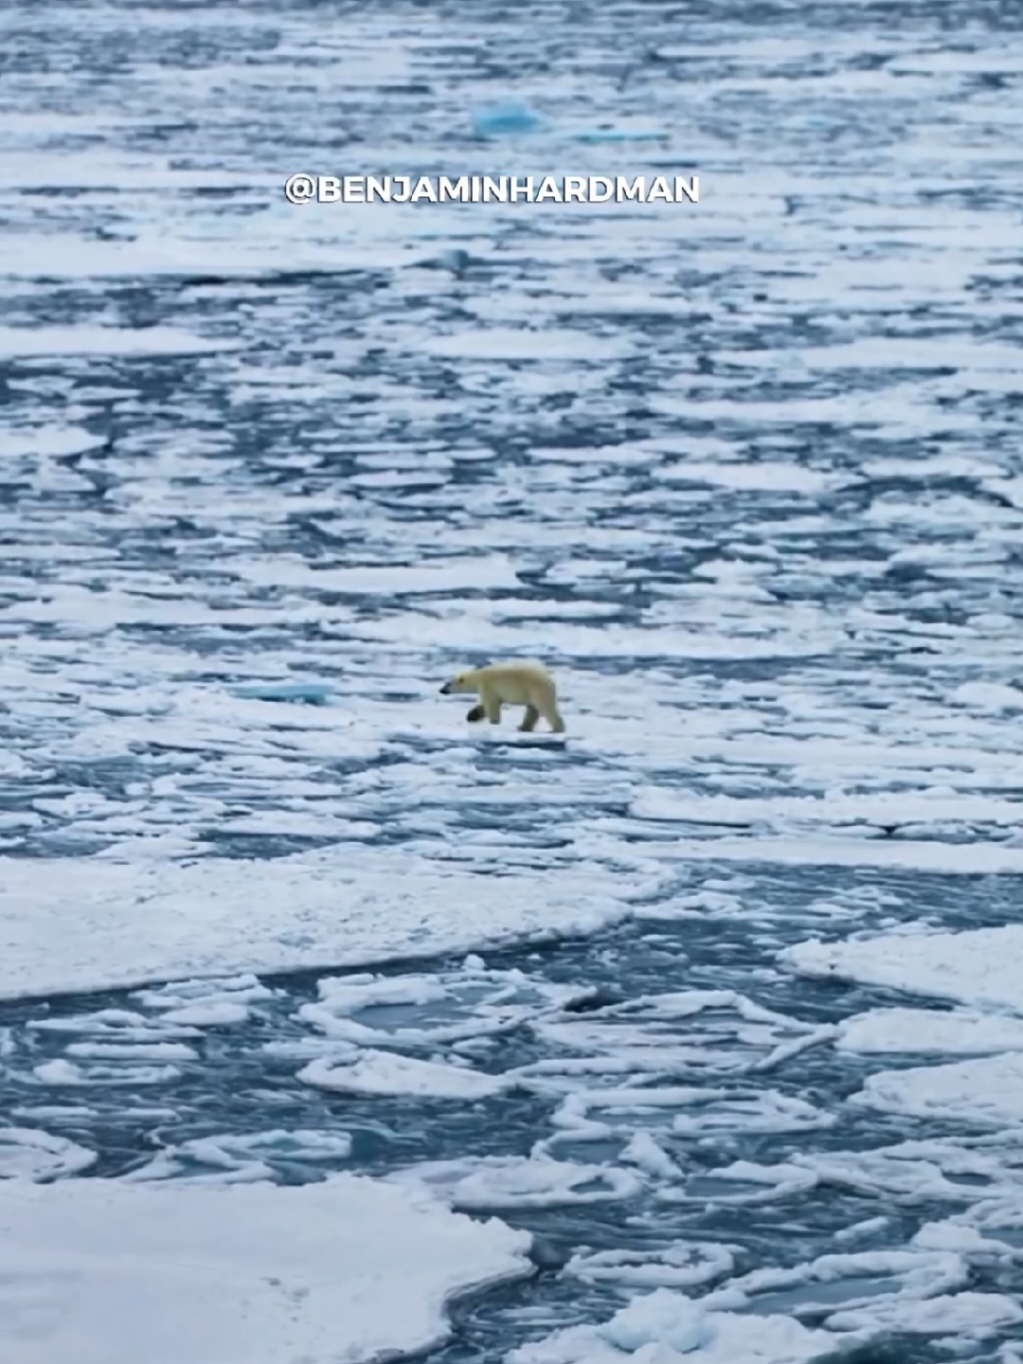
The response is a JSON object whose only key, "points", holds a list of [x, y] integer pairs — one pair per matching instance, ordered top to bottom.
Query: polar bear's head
{"points": [[461, 684]]}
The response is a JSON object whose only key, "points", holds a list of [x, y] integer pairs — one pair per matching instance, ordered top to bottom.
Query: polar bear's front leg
{"points": [[491, 703], [475, 714], [529, 720]]}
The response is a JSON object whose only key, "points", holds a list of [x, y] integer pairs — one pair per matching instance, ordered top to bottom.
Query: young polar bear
{"points": [[509, 684]]}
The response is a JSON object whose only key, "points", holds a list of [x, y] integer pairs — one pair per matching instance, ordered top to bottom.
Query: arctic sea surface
{"points": [[333, 1028]]}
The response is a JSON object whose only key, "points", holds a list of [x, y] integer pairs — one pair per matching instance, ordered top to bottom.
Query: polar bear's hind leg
{"points": [[553, 718], [529, 719]]}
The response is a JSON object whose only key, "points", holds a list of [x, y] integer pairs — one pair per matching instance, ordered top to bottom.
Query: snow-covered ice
{"points": [[122, 924], [978, 967], [98, 1271]]}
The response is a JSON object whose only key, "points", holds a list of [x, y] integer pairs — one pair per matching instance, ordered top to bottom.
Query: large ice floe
{"points": [[118, 923], [339, 1272]]}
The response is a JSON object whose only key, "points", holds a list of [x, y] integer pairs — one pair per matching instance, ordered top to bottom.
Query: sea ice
{"points": [[117, 924], [978, 967], [923, 1031], [384, 1072], [987, 1091], [27, 1153], [491, 1182], [97, 1271], [666, 1327]]}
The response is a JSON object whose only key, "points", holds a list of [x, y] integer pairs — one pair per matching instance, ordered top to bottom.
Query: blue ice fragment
{"points": [[499, 120], [615, 135], [306, 693]]}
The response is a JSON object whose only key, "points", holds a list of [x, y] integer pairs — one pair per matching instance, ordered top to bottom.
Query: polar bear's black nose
{"points": [[445, 689]]}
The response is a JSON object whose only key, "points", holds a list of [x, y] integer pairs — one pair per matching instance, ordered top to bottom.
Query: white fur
{"points": [[510, 684]]}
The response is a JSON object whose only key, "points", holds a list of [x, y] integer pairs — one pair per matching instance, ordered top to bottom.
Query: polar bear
{"points": [[509, 684]]}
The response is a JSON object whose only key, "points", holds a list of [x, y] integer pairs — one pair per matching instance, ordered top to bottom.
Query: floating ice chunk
{"points": [[503, 120], [597, 135], [84, 340], [52, 441], [761, 476], [305, 693], [988, 697], [979, 967], [180, 994], [342, 997], [423, 1011], [212, 1013], [122, 1024], [891, 1031], [133, 1051], [60, 1072], [383, 1072], [987, 1091], [708, 1110], [764, 1111], [75, 1113], [27, 1153], [251, 1157], [650, 1157], [911, 1169], [493, 1182], [764, 1184], [868, 1227], [965, 1240], [683, 1264], [97, 1271], [895, 1273], [971, 1315], [667, 1318], [669, 1328]]}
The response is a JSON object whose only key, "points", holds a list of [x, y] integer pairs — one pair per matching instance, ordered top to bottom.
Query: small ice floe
{"points": [[512, 118], [505, 119], [606, 133], [299, 693], [988, 697], [979, 967], [197, 1004], [424, 1010], [114, 1025], [928, 1031], [683, 1033], [132, 1051], [61, 1072], [385, 1073], [987, 1091], [704, 1110], [27, 1153], [650, 1157], [243, 1159], [947, 1171], [743, 1181], [496, 1182], [991, 1230], [860, 1231], [682, 1264], [850, 1281], [957, 1318], [666, 1326]]}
